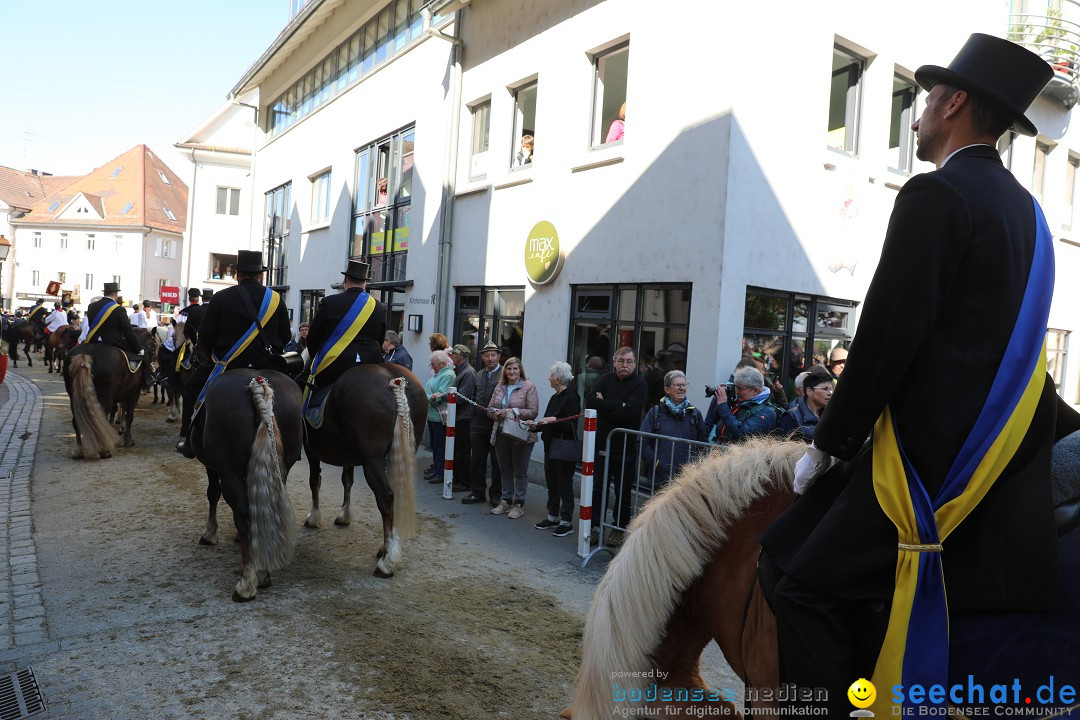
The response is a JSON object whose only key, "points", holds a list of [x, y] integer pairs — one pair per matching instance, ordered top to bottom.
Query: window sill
{"points": [[614, 160], [512, 183], [471, 189], [321, 225]]}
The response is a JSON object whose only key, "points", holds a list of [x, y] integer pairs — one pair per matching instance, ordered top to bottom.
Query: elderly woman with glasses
{"points": [[748, 413], [674, 417], [802, 418]]}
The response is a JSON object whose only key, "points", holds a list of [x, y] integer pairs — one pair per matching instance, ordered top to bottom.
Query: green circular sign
{"points": [[543, 258]]}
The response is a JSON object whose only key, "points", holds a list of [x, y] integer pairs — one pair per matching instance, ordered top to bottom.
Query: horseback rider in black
{"points": [[37, 315], [232, 315], [108, 323]]}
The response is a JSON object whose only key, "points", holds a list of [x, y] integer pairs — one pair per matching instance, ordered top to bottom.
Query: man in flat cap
{"points": [[952, 496]]}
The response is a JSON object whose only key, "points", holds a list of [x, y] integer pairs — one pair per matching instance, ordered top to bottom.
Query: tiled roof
{"points": [[134, 177], [20, 189]]}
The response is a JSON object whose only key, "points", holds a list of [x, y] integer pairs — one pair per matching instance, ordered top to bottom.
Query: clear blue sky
{"points": [[85, 81]]}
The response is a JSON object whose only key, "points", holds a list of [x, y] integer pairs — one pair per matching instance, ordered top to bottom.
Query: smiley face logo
{"points": [[862, 693]]}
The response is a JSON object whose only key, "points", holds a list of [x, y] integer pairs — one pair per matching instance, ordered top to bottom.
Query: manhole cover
{"points": [[20, 696]]}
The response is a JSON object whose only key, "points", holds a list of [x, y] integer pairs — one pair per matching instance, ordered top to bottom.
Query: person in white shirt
{"points": [[151, 315], [138, 317], [56, 319]]}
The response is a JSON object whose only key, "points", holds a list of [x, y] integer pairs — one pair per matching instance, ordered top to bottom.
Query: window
{"points": [[386, 35], [609, 94], [844, 100], [481, 130], [901, 136], [1005, 148], [521, 154], [1038, 170], [117, 171], [164, 177], [1070, 190], [320, 198], [228, 201], [55, 204], [383, 207], [127, 208], [169, 213], [276, 233], [37, 239], [63, 241], [91, 242], [118, 243], [166, 248], [221, 266], [35, 277], [116, 279], [89, 284], [309, 303], [490, 313], [790, 332], [1057, 346]]}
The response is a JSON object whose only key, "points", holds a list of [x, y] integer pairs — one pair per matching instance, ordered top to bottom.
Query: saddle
{"points": [[314, 414]]}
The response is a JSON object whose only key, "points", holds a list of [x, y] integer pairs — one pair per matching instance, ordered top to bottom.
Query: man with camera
{"points": [[741, 408]]}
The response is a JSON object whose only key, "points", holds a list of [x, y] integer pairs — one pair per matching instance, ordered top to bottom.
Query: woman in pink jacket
{"points": [[514, 401]]}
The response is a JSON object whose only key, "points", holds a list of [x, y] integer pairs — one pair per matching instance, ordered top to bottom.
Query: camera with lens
{"points": [[729, 388]]}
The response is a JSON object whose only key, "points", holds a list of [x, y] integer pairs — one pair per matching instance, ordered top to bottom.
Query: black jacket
{"points": [[193, 317], [227, 318], [117, 330], [367, 345], [564, 404], [622, 406]]}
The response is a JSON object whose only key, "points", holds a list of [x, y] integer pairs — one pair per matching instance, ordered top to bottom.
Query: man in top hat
{"points": [[191, 316], [229, 316], [106, 321], [362, 321], [933, 348]]}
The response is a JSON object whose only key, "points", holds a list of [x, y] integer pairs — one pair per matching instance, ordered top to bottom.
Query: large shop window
{"points": [[384, 184], [276, 235], [490, 313], [654, 320], [789, 332]]}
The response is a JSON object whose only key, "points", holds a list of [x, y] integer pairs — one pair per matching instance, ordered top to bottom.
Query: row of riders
{"points": [[41, 329], [248, 409]]}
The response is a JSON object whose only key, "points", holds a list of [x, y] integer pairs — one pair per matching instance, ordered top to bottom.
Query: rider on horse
{"points": [[37, 315], [190, 317], [56, 319], [107, 322], [245, 326], [347, 329]]}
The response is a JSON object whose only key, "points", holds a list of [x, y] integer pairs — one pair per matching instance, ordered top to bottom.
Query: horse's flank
{"points": [[670, 543]]}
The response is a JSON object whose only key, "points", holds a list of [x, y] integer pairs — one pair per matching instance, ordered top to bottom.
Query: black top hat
{"points": [[996, 70], [249, 261], [357, 270], [110, 288], [193, 293], [208, 293]]}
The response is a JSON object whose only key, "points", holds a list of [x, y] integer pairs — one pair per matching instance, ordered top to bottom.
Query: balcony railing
{"points": [[1057, 40]]}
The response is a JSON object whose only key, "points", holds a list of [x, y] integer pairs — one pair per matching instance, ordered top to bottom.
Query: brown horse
{"points": [[25, 332], [58, 345], [98, 381], [368, 421], [248, 435], [686, 575]]}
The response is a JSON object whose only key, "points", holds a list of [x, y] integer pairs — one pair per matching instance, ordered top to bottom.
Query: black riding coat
{"points": [[193, 317], [228, 317], [117, 330], [366, 347]]}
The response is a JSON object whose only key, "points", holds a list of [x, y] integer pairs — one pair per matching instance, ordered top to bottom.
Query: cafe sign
{"points": [[543, 257]]}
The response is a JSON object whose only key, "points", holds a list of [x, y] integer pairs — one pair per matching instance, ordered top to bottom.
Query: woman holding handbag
{"points": [[513, 403], [562, 451]]}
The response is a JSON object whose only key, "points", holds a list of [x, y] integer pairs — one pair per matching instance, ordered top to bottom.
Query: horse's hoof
{"points": [[105, 455], [313, 520], [343, 520], [203, 540], [380, 573], [263, 578], [237, 597]]}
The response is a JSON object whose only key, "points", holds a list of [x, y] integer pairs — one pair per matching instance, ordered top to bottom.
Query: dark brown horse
{"points": [[25, 332], [58, 345], [98, 382], [369, 421], [248, 435], [687, 575]]}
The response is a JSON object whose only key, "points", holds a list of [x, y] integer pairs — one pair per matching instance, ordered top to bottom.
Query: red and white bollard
{"points": [[588, 454], [448, 455]]}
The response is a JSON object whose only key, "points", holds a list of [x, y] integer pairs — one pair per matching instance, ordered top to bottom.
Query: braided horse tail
{"points": [[95, 435], [401, 466], [272, 532]]}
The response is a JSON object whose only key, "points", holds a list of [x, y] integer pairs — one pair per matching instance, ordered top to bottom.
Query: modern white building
{"points": [[743, 210], [219, 212], [123, 223]]}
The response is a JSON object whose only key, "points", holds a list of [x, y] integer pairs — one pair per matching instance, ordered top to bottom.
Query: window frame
{"points": [[852, 99], [903, 120], [520, 130], [598, 132], [389, 158], [479, 159], [320, 196], [227, 201], [275, 239], [489, 311]]}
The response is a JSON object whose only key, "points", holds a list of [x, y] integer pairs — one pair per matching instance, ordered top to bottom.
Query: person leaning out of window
{"points": [[514, 400], [748, 413], [674, 417], [802, 418], [559, 473]]}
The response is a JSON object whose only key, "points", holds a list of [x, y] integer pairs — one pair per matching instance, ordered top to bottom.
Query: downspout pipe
{"points": [[443, 289]]}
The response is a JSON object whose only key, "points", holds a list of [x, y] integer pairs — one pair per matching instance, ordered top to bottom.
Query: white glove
{"points": [[810, 467]]}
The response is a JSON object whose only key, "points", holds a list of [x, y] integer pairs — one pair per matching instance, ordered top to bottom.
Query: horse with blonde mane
{"points": [[248, 435], [687, 575]]}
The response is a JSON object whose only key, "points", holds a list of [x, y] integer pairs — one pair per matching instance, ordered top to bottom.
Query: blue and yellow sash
{"points": [[267, 308], [103, 315], [342, 336], [916, 647]]}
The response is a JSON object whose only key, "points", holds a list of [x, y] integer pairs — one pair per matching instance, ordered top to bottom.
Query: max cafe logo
{"points": [[970, 699]]}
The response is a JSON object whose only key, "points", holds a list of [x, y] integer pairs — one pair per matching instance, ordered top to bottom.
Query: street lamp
{"points": [[5, 248]]}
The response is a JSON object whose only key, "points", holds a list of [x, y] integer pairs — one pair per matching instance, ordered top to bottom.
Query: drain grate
{"points": [[20, 696]]}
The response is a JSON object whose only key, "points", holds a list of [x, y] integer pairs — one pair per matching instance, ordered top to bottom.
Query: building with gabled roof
{"points": [[123, 222]]}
